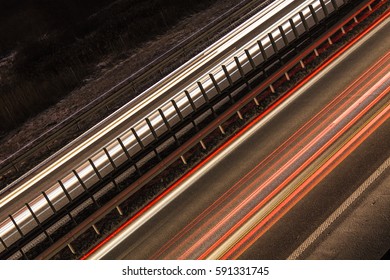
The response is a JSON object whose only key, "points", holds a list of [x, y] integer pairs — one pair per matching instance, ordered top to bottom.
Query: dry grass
{"points": [[67, 46], [107, 73]]}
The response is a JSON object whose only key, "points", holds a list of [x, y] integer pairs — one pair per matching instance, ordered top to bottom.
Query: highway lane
{"points": [[97, 137], [308, 180], [327, 224], [223, 226], [359, 228], [146, 241]]}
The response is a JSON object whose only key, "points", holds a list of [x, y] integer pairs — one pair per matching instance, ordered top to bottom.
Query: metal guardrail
{"points": [[247, 99], [208, 106], [14, 164]]}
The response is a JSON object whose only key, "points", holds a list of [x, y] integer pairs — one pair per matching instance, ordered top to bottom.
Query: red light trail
{"points": [[343, 100]]}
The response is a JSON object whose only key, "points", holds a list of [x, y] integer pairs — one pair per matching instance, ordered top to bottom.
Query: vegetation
{"points": [[58, 43]]}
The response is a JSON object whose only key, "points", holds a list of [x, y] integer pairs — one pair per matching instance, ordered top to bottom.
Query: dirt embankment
{"points": [[107, 72]]}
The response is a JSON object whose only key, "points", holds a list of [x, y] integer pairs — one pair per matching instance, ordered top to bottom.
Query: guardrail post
{"points": [[334, 4], [323, 5], [313, 12], [303, 19], [294, 28], [284, 37], [271, 38], [262, 50], [252, 63], [241, 72], [227, 75], [230, 82], [215, 83], [271, 87], [206, 97], [190, 100], [193, 108], [177, 110], [239, 115], [165, 119], [168, 126], [151, 128], [221, 129], [154, 135], [137, 138], [202, 144], [123, 148], [129, 156], [109, 157], [183, 160], [15, 167], [95, 169], [116, 185], [85, 188], [65, 191], [49, 202], [119, 210], [72, 218], [39, 223], [16, 226], [96, 229], [4, 245], [71, 249], [23, 253]]}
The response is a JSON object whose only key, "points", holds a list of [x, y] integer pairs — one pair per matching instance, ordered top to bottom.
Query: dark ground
{"points": [[48, 48], [89, 64]]}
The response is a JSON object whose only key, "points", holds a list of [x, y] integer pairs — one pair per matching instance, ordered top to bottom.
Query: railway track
{"points": [[204, 107]]}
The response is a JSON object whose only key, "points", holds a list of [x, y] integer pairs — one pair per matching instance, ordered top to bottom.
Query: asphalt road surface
{"points": [[188, 226]]}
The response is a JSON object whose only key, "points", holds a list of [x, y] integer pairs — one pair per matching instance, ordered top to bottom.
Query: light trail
{"points": [[333, 132], [220, 150], [284, 150], [223, 218], [243, 240]]}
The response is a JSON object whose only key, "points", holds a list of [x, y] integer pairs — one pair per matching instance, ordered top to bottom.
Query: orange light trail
{"points": [[229, 141], [281, 150], [290, 177], [307, 186], [216, 244]]}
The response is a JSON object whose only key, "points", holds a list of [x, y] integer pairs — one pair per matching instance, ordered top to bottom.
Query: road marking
{"points": [[337, 213], [94, 254]]}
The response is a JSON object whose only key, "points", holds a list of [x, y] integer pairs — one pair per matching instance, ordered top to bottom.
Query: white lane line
{"points": [[337, 213], [120, 237]]}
